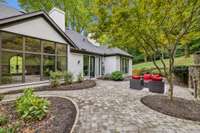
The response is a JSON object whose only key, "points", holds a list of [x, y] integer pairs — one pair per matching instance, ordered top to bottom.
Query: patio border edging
{"points": [[68, 98]]}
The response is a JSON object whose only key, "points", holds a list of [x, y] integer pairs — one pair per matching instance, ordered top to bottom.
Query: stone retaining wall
{"points": [[194, 79]]}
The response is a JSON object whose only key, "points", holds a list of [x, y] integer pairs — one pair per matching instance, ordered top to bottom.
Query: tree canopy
{"points": [[76, 11], [153, 26]]}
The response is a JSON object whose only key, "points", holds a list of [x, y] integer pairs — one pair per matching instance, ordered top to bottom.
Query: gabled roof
{"points": [[6, 11], [24, 16], [84, 44]]}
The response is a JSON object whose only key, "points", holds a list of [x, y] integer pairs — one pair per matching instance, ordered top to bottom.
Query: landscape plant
{"points": [[117, 76], [68, 77], [80, 77], [55, 78], [1, 97], [31, 107], [3, 120]]}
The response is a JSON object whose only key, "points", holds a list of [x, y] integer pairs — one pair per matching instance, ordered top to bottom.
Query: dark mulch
{"points": [[75, 86], [179, 107], [60, 118]]}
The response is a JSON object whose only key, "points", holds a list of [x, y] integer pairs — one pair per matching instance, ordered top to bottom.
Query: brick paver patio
{"points": [[112, 107]]}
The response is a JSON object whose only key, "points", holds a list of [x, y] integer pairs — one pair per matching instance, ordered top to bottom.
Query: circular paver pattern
{"points": [[112, 107]]}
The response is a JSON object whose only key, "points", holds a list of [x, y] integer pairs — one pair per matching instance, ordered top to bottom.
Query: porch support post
{"points": [[0, 59], [23, 60], [41, 61]]}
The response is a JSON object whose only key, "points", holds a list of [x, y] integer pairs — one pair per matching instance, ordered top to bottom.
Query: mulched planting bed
{"points": [[75, 86], [179, 107], [60, 118]]}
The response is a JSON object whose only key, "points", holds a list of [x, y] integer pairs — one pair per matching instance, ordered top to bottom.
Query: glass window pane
{"points": [[11, 41], [33, 45], [48, 47], [61, 49], [61, 63], [49, 65], [86, 65], [32, 67], [11, 68]]}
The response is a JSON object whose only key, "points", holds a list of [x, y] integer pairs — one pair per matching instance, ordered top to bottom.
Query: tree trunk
{"points": [[187, 51], [145, 58], [171, 86]]}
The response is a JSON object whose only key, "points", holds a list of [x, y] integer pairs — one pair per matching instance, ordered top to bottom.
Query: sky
{"points": [[13, 3]]}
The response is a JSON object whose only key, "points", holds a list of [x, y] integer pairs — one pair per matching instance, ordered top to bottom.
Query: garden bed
{"points": [[74, 86], [179, 107], [60, 118]]}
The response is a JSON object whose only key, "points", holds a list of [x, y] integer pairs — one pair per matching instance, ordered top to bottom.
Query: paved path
{"points": [[112, 107]]}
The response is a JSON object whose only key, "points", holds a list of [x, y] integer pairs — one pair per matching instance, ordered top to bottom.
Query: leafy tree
{"points": [[76, 11], [155, 26]]}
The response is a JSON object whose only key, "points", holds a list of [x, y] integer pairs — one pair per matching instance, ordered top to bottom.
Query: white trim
{"points": [[57, 9]]}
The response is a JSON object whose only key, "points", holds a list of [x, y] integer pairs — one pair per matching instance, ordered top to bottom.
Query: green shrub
{"points": [[117, 76], [68, 77], [80, 77], [55, 78], [1, 97], [31, 107], [3, 120], [12, 128], [7, 130]]}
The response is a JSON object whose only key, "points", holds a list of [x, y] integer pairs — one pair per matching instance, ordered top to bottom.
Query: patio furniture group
{"points": [[154, 83]]}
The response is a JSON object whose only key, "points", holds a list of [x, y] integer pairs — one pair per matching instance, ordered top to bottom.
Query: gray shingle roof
{"points": [[6, 11], [84, 44]]}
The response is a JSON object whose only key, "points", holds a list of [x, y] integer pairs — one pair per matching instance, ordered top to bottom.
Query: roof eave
{"points": [[14, 19]]}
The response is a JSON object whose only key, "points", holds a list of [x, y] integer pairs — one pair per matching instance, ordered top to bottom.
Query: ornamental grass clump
{"points": [[68, 77], [55, 78], [31, 107]]}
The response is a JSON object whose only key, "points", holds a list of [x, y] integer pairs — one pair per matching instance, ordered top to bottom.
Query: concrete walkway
{"points": [[112, 107]]}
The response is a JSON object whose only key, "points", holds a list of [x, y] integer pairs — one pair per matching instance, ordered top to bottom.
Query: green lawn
{"points": [[178, 61]]}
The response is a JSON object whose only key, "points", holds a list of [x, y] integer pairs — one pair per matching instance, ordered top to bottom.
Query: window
{"points": [[11, 41], [33, 45], [49, 47], [61, 49], [39, 56], [61, 63], [16, 64], [124, 64], [86, 65], [48, 66], [11, 67], [32, 67]]}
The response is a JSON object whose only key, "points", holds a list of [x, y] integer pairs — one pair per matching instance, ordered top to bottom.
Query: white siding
{"points": [[37, 27], [75, 63], [118, 63], [110, 64]]}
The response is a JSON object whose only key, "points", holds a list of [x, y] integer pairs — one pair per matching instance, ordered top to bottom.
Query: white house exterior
{"points": [[33, 44]]}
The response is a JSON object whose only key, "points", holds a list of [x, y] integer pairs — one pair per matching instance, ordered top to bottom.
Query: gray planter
{"points": [[136, 84], [156, 86]]}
